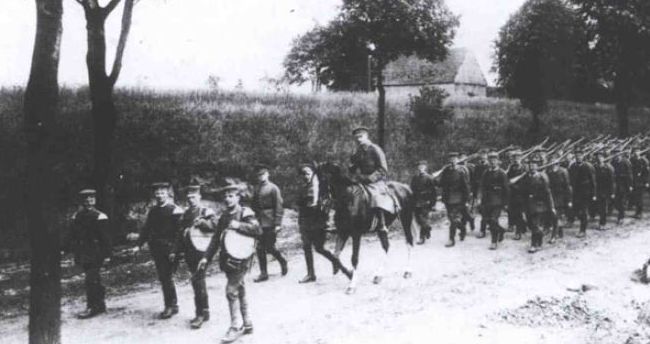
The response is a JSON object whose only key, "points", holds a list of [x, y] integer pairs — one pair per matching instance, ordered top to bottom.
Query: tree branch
{"points": [[110, 7], [127, 15]]}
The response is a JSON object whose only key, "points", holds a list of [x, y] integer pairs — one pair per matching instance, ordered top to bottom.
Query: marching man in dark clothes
{"points": [[481, 166], [469, 169], [583, 180], [624, 180], [640, 180], [605, 188], [493, 190], [562, 192], [424, 194], [455, 195], [539, 201], [516, 202], [267, 204], [312, 221], [240, 223], [198, 225], [161, 232], [89, 241]]}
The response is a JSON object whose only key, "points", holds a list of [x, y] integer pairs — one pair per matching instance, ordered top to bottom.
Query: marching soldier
{"points": [[368, 164], [481, 166], [470, 170], [583, 180], [624, 181], [640, 181], [606, 188], [493, 190], [562, 192], [424, 194], [455, 194], [516, 201], [539, 202], [267, 204], [202, 220], [242, 220], [161, 232], [90, 243]]}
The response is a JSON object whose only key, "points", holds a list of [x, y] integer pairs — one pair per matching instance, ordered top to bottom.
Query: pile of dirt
{"points": [[554, 312]]}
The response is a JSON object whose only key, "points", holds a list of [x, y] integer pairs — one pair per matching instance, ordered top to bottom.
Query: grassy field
{"points": [[212, 135]]}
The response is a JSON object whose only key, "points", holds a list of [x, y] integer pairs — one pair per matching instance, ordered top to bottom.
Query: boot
{"points": [[581, 234], [480, 235], [517, 236], [450, 243], [493, 246], [261, 258], [284, 267], [243, 307], [168, 312], [90, 313], [198, 321], [232, 335]]}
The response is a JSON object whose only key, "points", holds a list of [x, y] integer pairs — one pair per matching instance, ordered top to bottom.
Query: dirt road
{"points": [[465, 294]]}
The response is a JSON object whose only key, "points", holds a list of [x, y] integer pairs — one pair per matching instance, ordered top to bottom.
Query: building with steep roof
{"points": [[459, 74]]}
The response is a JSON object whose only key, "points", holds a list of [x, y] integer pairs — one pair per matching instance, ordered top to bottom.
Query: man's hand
{"points": [[612, 196], [593, 198], [570, 204], [234, 224], [132, 236], [172, 257], [202, 263]]}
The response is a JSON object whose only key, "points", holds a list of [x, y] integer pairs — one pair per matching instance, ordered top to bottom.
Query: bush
{"points": [[428, 110]]}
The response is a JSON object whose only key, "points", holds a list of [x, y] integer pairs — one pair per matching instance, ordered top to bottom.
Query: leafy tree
{"points": [[381, 29], [620, 33], [538, 54], [40, 109], [428, 110]]}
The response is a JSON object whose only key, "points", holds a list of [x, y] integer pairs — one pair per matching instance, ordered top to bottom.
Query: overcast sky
{"points": [[179, 43]]}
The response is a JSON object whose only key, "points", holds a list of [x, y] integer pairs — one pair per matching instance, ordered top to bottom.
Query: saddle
{"points": [[382, 196]]}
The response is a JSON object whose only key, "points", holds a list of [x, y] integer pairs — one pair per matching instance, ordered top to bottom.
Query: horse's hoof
{"points": [[335, 270], [408, 274], [377, 279], [350, 290]]}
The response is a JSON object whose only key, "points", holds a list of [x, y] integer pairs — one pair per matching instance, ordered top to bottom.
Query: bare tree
{"points": [[102, 83], [40, 109]]}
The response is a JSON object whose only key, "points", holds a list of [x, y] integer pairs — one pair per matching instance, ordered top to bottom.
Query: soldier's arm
{"points": [[504, 185], [278, 208], [208, 221], [249, 224], [103, 235], [216, 239]]}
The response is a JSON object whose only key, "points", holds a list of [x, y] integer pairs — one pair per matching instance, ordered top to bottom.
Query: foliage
{"points": [[538, 54], [428, 110]]}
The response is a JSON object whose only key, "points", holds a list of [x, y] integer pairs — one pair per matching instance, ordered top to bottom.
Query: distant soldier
{"points": [[369, 166], [481, 166], [470, 170], [640, 173], [583, 180], [624, 181], [494, 188], [605, 188], [562, 192], [424, 194], [455, 194], [516, 201], [539, 201], [267, 204], [312, 221], [199, 224], [245, 228], [161, 231], [88, 239]]}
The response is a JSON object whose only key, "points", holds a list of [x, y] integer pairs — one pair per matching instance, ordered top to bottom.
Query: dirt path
{"points": [[466, 294]]}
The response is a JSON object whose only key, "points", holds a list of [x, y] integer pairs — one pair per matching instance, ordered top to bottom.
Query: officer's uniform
{"points": [[369, 163], [583, 180], [624, 181], [640, 183], [606, 189], [494, 191], [455, 194], [424, 195], [516, 201], [539, 202], [267, 204], [205, 220], [162, 230], [89, 241], [235, 269]]}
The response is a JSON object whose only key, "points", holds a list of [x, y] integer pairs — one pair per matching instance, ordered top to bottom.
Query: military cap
{"points": [[360, 129], [493, 155], [422, 162], [307, 165], [261, 168], [160, 185], [231, 187], [193, 189], [88, 192]]}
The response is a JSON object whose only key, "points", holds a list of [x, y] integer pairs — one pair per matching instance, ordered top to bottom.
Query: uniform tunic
{"points": [[369, 163], [583, 180], [624, 181], [640, 181], [606, 189], [494, 191], [455, 193], [424, 195], [516, 201], [539, 203]]}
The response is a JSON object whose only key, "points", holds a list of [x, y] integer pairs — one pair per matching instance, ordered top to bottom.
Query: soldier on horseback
{"points": [[370, 169]]}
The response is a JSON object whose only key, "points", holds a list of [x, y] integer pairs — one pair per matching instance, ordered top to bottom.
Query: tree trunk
{"points": [[41, 101], [381, 109]]}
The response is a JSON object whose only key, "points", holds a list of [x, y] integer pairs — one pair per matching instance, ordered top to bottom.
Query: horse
{"points": [[353, 216]]}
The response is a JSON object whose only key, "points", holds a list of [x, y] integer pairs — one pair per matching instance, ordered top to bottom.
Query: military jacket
{"points": [[370, 162], [639, 171], [622, 173], [583, 179], [605, 181], [454, 182], [560, 184], [494, 187], [424, 190], [537, 192], [267, 204], [163, 224], [88, 238]]}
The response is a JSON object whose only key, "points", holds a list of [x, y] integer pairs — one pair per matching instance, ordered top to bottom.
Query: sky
{"points": [[178, 44]]}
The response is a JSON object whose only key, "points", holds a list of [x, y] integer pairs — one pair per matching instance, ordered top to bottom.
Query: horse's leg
{"points": [[407, 223], [341, 239], [385, 244], [356, 245]]}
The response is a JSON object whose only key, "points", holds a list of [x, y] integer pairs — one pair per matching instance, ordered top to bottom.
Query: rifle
{"points": [[515, 179]]}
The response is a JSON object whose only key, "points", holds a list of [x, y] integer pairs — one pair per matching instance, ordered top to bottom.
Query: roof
{"points": [[460, 67]]}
